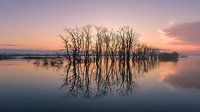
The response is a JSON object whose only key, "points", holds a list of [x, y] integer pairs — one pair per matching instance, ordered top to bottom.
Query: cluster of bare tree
{"points": [[89, 43], [100, 61]]}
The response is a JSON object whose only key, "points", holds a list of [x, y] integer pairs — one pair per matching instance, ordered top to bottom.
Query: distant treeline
{"points": [[4, 56], [161, 56], [168, 56]]}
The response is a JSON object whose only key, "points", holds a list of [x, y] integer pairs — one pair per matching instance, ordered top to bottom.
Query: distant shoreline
{"points": [[162, 56]]}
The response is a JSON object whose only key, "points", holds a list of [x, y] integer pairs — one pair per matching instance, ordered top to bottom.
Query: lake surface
{"points": [[142, 86]]}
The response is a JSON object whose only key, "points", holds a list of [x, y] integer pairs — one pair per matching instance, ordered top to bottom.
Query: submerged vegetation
{"points": [[87, 43], [101, 62]]}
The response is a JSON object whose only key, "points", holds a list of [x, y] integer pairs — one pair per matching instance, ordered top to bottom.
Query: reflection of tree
{"points": [[46, 63], [102, 78], [127, 84]]}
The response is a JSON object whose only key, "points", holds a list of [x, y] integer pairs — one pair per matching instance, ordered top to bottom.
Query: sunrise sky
{"points": [[36, 24]]}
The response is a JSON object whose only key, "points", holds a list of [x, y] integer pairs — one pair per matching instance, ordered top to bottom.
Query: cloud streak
{"points": [[8, 45]]}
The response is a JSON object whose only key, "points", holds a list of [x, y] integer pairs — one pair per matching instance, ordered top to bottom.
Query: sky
{"points": [[36, 24]]}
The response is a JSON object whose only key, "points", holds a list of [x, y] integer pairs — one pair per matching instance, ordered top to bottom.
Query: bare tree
{"points": [[122, 44]]}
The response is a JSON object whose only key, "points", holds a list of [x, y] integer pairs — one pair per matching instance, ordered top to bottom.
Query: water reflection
{"points": [[184, 75], [99, 78], [62, 86]]}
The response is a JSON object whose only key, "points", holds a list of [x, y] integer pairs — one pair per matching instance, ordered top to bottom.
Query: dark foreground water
{"points": [[142, 86]]}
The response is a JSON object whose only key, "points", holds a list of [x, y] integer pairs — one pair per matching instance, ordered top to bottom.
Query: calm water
{"points": [[142, 86]]}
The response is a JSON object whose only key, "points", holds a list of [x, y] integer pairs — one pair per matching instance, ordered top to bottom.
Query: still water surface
{"points": [[144, 86]]}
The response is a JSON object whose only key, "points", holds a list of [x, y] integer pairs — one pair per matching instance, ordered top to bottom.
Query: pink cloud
{"points": [[184, 33]]}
